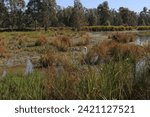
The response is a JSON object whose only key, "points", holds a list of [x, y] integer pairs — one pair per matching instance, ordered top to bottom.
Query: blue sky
{"points": [[136, 5]]}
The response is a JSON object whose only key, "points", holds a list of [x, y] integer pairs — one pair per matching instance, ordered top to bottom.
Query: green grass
{"points": [[114, 80], [17, 86]]}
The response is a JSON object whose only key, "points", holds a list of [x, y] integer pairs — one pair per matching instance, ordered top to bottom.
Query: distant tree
{"points": [[15, 7], [34, 12], [49, 13], [104, 13], [3, 14], [92, 17], [128, 17], [144, 17], [77, 18], [117, 20]]}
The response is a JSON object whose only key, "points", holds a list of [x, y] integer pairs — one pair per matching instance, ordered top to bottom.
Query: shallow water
{"points": [[144, 40]]}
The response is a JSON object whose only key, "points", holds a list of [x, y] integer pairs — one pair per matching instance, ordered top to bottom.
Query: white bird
{"points": [[29, 67]]}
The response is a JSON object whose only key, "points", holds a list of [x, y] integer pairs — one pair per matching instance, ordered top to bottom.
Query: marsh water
{"points": [[142, 40]]}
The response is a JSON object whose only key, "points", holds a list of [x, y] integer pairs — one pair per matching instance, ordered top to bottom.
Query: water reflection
{"points": [[144, 40]]}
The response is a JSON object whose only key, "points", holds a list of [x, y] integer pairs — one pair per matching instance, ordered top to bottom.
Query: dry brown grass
{"points": [[122, 37], [42, 39], [84, 39], [61, 42], [147, 47], [3, 49], [113, 50], [52, 58]]}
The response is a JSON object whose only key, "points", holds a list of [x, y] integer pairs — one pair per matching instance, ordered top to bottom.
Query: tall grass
{"points": [[114, 80], [18, 86]]}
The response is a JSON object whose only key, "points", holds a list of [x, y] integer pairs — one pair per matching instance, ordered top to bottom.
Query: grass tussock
{"points": [[123, 37], [42, 39], [84, 39], [61, 42], [3, 50], [108, 50], [51, 58]]}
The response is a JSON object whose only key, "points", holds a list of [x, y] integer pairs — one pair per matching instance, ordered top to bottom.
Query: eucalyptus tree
{"points": [[15, 9], [34, 13], [49, 13], [104, 13], [3, 14], [92, 17], [128, 17], [144, 17], [77, 18]]}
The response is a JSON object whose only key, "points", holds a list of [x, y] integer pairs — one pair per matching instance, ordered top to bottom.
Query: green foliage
{"points": [[107, 28]]}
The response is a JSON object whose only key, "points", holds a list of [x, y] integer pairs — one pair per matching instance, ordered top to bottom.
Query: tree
{"points": [[15, 7], [34, 12], [49, 13], [104, 13], [3, 14], [77, 17], [92, 17], [128, 17], [144, 17], [117, 20]]}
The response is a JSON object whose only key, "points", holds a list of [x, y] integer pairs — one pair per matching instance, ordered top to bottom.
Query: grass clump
{"points": [[123, 37], [42, 39], [84, 39], [61, 42], [3, 50], [108, 50]]}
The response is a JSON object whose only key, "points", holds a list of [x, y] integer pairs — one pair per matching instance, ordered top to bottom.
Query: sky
{"points": [[135, 5]]}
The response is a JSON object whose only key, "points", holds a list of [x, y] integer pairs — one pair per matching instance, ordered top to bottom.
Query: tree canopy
{"points": [[15, 14]]}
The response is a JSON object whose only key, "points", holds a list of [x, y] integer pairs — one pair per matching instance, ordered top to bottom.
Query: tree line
{"points": [[15, 14]]}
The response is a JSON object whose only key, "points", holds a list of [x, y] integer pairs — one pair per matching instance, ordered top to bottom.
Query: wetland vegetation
{"points": [[72, 54]]}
